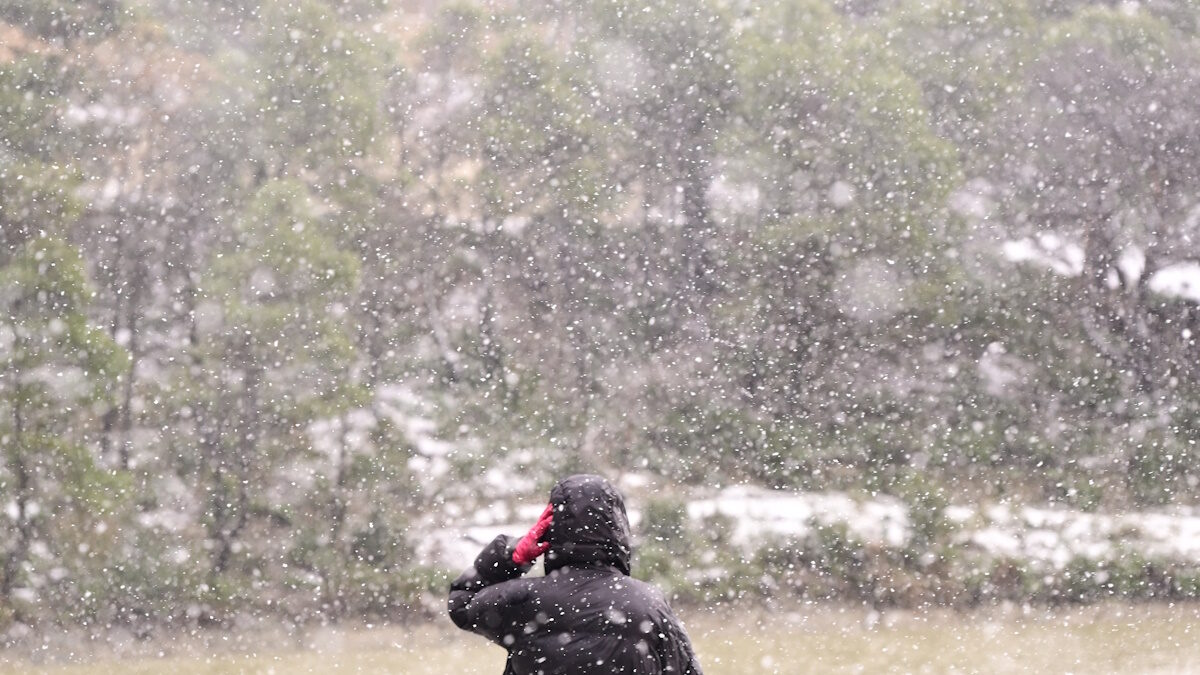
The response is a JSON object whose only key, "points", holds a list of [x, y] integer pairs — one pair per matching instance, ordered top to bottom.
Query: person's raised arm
{"points": [[503, 560]]}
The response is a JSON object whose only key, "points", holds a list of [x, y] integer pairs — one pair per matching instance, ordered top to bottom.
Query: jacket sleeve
{"points": [[487, 597]]}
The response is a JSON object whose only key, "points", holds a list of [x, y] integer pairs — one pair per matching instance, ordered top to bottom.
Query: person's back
{"points": [[587, 615]]}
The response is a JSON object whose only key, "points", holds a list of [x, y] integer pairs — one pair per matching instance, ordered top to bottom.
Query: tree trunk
{"points": [[697, 222], [132, 324], [19, 551]]}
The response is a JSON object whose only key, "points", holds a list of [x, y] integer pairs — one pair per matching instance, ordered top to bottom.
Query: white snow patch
{"points": [[77, 115], [840, 194], [733, 197], [973, 200], [1048, 250], [1132, 262], [1181, 280], [872, 289], [999, 370], [406, 410], [350, 431], [505, 481], [634, 481], [757, 512], [959, 514], [165, 519], [1045, 536], [1055, 536], [997, 541], [455, 548]]}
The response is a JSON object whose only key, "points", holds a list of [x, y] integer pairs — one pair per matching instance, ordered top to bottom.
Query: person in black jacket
{"points": [[586, 616]]}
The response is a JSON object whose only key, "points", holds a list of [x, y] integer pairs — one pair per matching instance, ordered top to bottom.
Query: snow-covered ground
{"points": [[412, 415], [758, 514], [1036, 534], [451, 535], [1056, 536]]}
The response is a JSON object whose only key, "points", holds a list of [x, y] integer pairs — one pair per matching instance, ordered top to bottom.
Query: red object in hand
{"points": [[529, 548]]}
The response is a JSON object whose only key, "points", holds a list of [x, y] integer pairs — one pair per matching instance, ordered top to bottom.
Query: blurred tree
{"points": [[65, 19], [967, 56], [665, 83], [319, 87], [1102, 165], [527, 182], [541, 185], [39, 192], [840, 255], [275, 356], [54, 370]]}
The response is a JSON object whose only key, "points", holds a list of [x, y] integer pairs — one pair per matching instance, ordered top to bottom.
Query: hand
{"points": [[529, 548]]}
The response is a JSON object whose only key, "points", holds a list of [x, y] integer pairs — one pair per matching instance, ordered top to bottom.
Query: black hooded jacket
{"points": [[587, 616]]}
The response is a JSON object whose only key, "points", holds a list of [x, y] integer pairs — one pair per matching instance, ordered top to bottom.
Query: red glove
{"points": [[529, 548]]}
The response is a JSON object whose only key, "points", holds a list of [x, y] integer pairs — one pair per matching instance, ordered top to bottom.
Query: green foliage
{"points": [[66, 19], [1144, 38], [966, 55], [321, 87], [30, 88], [829, 109], [543, 153], [39, 193], [38, 197], [281, 293], [44, 295], [276, 358], [54, 369], [1160, 467], [927, 502], [665, 522], [380, 545]]}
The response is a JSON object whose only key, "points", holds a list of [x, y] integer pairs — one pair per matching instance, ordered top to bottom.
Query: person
{"points": [[586, 616]]}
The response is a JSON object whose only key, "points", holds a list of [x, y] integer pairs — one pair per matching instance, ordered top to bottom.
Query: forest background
{"points": [[944, 250]]}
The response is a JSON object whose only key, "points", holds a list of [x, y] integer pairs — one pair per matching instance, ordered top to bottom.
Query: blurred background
{"points": [[883, 302]]}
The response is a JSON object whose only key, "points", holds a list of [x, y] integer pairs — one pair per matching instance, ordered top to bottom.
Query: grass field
{"points": [[1107, 638]]}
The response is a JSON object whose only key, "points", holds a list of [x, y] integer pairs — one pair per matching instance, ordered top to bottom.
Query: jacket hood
{"points": [[590, 526]]}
